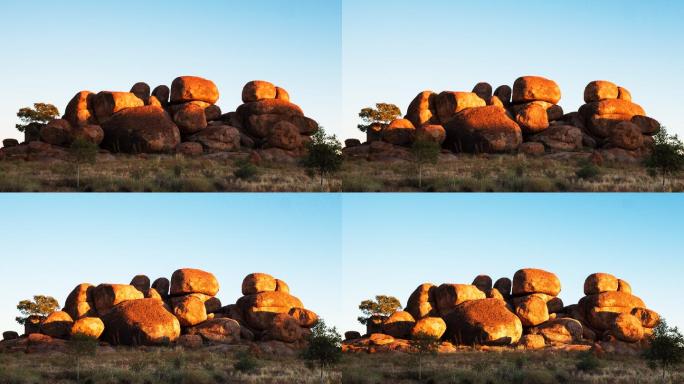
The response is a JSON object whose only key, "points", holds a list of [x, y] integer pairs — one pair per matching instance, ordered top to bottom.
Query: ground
{"points": [[161, 173], [217, 173], [504, 173], [158, 365], [473, 367]]}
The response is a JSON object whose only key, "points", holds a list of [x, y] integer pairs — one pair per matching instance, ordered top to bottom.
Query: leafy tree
{"points": [[40, 113], [382, 114], [82, 151], [424, 152], [325, 154], [667, 157], [40, 306], [382, 306], [423, 344], [80, 346], [324, 347], [666, 347]]}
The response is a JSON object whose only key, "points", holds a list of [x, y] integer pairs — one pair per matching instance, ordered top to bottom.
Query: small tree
{"points": [[41, 113], [382, 114], [82, 151], [424, 152], [325, 154], [667, 157], [40, 306], [382, 306], [423, 344], [81, 345], [666, 347], [324, 348]]}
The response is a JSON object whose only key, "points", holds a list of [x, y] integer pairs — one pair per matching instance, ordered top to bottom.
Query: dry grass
{"points": [[158, 173], [500, 173], [156, 365], [533, 367]]}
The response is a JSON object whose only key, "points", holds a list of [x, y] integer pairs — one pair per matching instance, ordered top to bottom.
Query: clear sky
{"points": [[52, 49], [393, 49], [51, 243], [393, 243]]}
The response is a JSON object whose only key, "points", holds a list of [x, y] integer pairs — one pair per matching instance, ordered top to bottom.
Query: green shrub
{"points": [[245, 170], [588, 171], [588, 362], [246, 363]]}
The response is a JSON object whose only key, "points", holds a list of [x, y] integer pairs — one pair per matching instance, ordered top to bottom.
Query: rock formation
{"points": [[525, 118], [182, 119], [183, 311], [523, 313]]}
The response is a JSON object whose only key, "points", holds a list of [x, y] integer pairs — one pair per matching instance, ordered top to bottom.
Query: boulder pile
{"points": [[525, 118], [183, 119], [181, 311], [524, 313]]}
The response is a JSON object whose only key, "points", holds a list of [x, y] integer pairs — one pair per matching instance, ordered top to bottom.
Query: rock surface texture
{"points": [[524, 313]]}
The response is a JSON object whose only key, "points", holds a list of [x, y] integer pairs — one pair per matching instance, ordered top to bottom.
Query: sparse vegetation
{"points": [[41, 113], [381, 115], [82, 152], [424, 152], [324, 154], [667, 157], [246, 170], [588, 171], [159, 173], [502, 173], [41, 305], [383, 305], [423, 344], [81, 346], [324, 348], [666, 349], [246, 362], [157, 366], [476, 367]]}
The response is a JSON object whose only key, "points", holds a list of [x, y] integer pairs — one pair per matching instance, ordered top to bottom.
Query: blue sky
{"points": [[393, 49], [51, 50], [51, 243], [393, 243]]}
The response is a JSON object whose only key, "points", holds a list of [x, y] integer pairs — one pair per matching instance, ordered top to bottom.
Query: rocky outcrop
{"points": [[525, 118], [164, 120], [181, 311], [524, 313]]}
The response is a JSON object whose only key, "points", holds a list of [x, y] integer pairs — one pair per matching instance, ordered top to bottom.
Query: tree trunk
{"points": [[78, 176], [420, 176], [321, 180], [420, 367], [321, 372]]}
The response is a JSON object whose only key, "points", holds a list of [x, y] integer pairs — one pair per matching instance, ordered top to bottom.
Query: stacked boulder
{"points": [[183, 118], [525, 118], [268, 120], [610, 120], [183, 311], [268, 311], [611, 312], [523, 313]]}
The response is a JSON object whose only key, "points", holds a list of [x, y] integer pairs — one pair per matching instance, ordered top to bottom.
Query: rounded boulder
{"points": [[193, 88], [188, 280], [530, 280], [258, 282], [486, 321], [140, 322], [88, 326]]}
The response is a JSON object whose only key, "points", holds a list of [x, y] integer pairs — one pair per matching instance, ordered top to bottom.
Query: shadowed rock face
{"points": [[141, 129], [483, 129], [485, 321], [141, 322]]}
